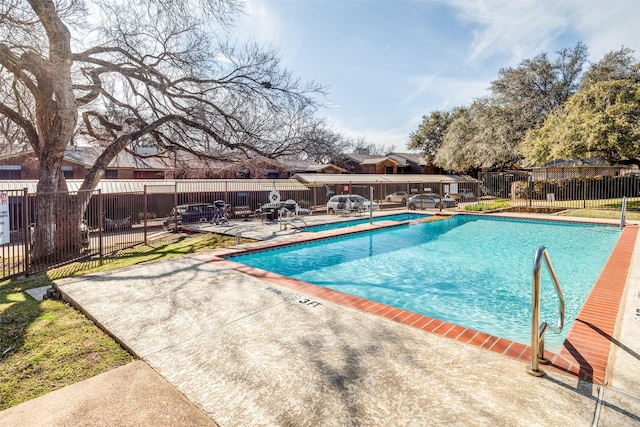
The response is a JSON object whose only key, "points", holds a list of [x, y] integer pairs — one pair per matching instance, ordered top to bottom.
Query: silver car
{"points": [[430, 200]]}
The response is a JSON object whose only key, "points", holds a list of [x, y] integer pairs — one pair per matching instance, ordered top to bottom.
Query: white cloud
{"points": [[258, 23], [607, 26], [515, 29], [522, 29], [458, 67], [447, 92], [388, 138]]}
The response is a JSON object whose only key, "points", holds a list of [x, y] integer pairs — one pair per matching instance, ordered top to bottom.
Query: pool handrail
{"points": [[623, 212], [538, 329]]}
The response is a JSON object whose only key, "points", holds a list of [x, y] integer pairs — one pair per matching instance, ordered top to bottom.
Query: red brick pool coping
{"points": [[585, 352]]}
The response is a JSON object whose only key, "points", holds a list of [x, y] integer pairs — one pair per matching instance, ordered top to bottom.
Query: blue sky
{"points": [[385, 64]]}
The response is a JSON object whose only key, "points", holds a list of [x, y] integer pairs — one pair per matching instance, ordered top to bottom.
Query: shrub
{"points": [[487, 206]]}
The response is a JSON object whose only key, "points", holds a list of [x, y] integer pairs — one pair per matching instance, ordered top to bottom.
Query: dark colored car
{"points": [[430, 200], [191, 213]]}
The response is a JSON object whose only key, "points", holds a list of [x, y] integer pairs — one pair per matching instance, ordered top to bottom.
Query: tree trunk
{"points": [[56, 118]]}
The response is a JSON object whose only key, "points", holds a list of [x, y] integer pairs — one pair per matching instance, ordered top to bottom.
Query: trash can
{"points": [[551, 197]]}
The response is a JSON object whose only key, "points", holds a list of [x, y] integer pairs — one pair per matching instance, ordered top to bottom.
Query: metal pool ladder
{"points": [[623, 212], [538, 329]]}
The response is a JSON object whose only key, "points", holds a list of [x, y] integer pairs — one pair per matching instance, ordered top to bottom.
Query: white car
{"points": [[398, 196], [350, 202]]}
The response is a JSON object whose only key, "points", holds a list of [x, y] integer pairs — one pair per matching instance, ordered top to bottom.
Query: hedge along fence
{"points": [[592, 192]]}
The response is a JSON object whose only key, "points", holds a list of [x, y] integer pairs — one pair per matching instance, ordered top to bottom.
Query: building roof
{"points": [[86, 156], [411, 157], [359, 158], [377, 160], [295, 165], [333, 179], [110, 186]]}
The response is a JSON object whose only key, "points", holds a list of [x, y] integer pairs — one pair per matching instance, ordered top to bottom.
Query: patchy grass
{"points": [[632, 205], [600, 213], [171, 246], [45, 345]]}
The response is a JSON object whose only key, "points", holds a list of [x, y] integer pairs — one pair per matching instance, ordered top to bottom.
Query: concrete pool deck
{"points": [[248, 350]]}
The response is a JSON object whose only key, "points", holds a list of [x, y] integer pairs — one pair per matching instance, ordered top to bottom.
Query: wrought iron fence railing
{"points": [[574, 192], [115, 220]]}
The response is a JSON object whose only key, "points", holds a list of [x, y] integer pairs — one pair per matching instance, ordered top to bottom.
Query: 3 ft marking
{"points": [[301, 300], [307, 301]]}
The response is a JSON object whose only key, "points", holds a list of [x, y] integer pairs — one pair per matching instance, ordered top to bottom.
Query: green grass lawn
{"points": [[600, 213], [45, 345]]}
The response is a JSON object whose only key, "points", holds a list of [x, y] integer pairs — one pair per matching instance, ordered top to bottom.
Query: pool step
{"points": [[435, 218]]}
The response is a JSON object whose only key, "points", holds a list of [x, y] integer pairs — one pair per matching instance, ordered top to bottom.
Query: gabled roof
{"points": [[13, 150], [86, 156], [411, 157], [359, 158], [379, 159], [296, 165], [319, 168]]}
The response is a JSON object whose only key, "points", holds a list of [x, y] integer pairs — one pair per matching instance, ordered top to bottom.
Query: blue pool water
{"points": [[396, 217], [472, 271]]}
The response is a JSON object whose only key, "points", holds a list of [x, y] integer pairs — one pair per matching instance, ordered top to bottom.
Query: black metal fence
{"points": [[573, 192], [120, 219], [107, 226]]}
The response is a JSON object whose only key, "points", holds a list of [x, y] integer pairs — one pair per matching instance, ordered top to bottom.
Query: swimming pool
{"points": [[350, 223], [472, 271]]}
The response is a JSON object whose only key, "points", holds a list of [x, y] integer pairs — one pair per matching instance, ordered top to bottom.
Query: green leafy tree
{"points": [[616, 65], [536, 88], [602, 120], [432, 130], [488, 134], [478, 139]]}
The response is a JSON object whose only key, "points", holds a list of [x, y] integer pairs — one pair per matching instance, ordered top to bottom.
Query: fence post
{"points": [[175, 205], [371, 205], [145, 213], [26, 226], [100, 226]]}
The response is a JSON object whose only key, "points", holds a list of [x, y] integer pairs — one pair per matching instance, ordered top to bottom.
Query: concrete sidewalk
{"points": [[250, 352], [131, 395]]}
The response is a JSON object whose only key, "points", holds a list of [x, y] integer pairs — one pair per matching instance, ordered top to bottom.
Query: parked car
{"points": [[398, 196], [463, 196], [430, 200], [349, 201], [191, 213], [117, 224]]}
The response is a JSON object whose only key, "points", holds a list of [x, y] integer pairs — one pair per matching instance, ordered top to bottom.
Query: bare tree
{"points": [[114, 72]]}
